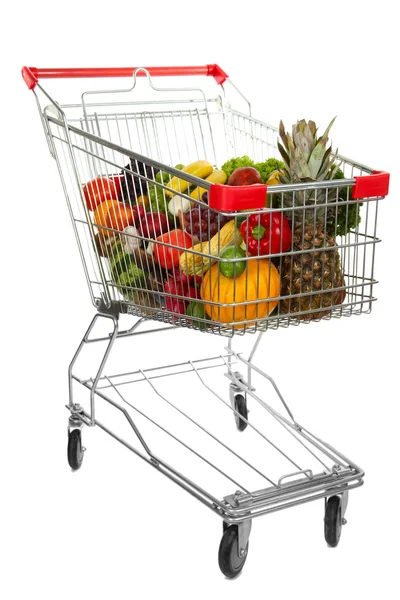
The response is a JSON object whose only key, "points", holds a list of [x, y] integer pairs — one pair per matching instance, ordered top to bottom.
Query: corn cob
{"points": [[198, 264]]}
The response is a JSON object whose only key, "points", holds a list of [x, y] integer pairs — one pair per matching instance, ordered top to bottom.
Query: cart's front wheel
{"points": [[241, 408], [75, 449], [333, 521], [230, 562]]}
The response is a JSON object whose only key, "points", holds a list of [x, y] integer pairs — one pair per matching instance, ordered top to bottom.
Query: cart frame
{"points": [[295, 486]]}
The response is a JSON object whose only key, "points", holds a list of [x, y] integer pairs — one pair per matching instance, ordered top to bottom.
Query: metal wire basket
{"points": [[127, 141]]}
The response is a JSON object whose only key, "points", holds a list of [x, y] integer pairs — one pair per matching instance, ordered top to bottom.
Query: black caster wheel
{"points": [[241, 408], [75, 449], [333, 521], [229, 561]]}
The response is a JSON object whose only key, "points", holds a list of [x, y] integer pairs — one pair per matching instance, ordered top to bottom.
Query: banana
{"points": [[200, 168], [215, 177], [274, 179]]}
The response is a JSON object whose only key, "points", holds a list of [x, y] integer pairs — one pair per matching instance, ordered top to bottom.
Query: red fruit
{"points": [[245, 176], [98, 190], [139, 213], [153, 224], [169, 247], [189, 280], [174, 287], [193, 293], [175, 306]]}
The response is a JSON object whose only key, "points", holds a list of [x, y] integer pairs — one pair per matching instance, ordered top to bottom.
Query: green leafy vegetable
{"points": [[236, 163], [267, 167], [348, 215]]}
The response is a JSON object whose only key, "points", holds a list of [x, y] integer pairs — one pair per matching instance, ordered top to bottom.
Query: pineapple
{"points": [[308, 159]]}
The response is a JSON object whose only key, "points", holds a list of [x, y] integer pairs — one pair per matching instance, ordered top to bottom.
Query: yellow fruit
{"points": [[200, 168], [216, 176], [274, 179], [144, 200], [244, 298]]}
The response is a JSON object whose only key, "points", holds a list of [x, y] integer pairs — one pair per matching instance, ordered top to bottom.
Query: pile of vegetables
{"points": [[167, 250]]}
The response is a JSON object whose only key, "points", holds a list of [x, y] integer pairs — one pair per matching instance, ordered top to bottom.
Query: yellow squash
{"points": [[259, 282]]}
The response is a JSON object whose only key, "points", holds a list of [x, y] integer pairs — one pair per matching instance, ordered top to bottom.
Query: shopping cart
{"points": [[166, 244]]}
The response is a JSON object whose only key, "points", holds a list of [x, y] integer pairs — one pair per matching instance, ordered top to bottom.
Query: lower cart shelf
{"points": [[211, 426]]}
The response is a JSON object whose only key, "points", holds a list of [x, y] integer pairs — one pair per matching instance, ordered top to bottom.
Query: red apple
{"points": [[244, 176]]}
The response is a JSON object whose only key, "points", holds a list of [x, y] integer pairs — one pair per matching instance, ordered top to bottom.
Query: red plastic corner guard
{"points": [[219, 75], [29, 77], [369, 186], [243, 197]]}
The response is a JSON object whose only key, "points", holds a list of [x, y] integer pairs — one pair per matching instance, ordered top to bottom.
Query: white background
{"points": [[116, 528]]}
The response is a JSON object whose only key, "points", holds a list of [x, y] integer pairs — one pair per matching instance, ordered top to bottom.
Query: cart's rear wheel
{"points": [[241, 408], [75, 449], [333, 521], [229, 561]]}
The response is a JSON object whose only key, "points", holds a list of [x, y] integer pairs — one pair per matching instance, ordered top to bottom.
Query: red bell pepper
{"points": [[266, 233], [166, 256]]}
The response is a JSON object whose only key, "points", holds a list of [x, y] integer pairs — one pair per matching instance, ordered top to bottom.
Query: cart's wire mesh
{"points": [[326, 272]]}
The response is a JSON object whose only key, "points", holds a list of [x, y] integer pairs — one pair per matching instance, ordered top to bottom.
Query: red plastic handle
{"points": [[31, 75], [369, 186], [240, 197]]}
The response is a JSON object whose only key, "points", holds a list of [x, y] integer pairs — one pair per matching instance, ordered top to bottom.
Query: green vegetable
{"points": [[235, 163], [265, 168], [163, 177], [157, 201], [348, 216], [120, 261], [232, 269], [124, 270], [132, 278], [196, 310]]}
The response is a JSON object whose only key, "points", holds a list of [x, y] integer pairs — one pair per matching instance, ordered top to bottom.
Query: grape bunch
{"points": [[203, 223]]}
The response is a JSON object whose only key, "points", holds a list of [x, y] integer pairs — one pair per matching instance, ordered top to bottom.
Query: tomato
{"points": [[100, 189], [166, 256]]}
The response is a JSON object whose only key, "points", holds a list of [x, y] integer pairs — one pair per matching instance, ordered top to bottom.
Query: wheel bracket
{"points": [[244, 529]]}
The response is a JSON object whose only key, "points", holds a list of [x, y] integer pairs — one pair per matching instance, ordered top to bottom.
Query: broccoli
{"points": [[132, 278]]}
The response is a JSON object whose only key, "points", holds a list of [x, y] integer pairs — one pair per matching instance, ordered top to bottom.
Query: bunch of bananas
{"points": [[202, 169]]}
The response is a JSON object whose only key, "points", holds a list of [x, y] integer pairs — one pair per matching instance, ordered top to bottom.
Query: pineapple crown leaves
{"points": [[306, 157]]}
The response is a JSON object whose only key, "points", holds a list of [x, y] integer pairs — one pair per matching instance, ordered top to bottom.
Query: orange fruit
{"points": [[101, 213], [119, 217]]}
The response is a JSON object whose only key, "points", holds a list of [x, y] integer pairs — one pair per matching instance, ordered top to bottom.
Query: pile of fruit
{"points": [[172, 252]]}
